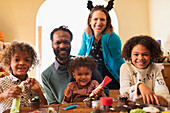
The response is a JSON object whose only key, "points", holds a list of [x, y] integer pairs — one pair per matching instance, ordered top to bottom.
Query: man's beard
{"points": [[60, 57]]}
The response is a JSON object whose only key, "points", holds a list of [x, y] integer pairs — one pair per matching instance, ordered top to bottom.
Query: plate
{"points": [[161, 108]]}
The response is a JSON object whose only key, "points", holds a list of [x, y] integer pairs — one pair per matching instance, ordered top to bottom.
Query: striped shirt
{"points": [[5, 84]]}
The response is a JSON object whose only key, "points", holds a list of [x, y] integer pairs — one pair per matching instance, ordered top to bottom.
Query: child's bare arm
{"points": [[33, 85], [13, 91], [150, 97], [161, 101]]}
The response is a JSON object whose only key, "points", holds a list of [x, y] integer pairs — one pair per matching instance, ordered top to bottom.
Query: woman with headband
{"points": [[100, 42]]}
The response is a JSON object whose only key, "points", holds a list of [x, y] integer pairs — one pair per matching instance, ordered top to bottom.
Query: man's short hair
{"points": [[63, 28]]}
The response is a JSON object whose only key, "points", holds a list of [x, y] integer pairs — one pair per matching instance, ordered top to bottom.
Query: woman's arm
{"points": [[115, 46], [83, 47]]}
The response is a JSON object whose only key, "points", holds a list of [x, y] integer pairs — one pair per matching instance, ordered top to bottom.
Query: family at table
{"points": [[72, 78]]}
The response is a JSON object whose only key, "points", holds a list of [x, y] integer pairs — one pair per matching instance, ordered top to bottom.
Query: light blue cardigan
{"points": [[111, 46]]}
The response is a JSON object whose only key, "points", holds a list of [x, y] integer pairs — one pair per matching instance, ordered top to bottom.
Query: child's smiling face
{"points": [[140, 56], [20, 64], [83, 76]]}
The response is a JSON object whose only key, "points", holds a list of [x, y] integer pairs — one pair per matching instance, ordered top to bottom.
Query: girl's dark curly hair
{"points": [[109, 27], [151, 44], [18, 47], [81, 61]]}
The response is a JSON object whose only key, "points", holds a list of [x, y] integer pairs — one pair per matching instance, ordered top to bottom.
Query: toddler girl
{"points": [[19, 57], [81, 68], [141, 78]]}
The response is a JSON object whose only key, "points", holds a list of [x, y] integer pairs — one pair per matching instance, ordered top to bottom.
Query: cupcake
{"points": [[122, 101], [88, 102], [34, 103], [125, 105], [134, 105], [122, 108]]}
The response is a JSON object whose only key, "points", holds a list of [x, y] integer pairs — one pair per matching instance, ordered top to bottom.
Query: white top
{"points": [[130, 77]]}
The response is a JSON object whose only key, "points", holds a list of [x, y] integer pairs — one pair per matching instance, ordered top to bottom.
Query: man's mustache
{"points": [[63, 49]]}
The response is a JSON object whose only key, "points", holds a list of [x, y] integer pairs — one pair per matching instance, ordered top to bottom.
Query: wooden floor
{"points": [[114, 93]]}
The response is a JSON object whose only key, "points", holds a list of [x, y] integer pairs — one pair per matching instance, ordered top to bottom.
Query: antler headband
{"points": [[108, 7]]}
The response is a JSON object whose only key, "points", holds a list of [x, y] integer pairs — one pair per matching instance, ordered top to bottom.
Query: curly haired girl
{"points": [[19, 57], [81, 68], [141, 78]]}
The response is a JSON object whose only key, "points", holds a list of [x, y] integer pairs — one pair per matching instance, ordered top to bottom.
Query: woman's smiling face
{"points": [[98, 21], [140, 56]]}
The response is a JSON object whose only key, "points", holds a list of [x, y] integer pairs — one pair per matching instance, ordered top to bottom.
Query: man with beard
{"points": [[55, 78]]}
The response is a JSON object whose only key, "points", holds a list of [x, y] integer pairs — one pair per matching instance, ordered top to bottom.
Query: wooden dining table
{"points": [[59, 108], [80, 108], [41, 109]]}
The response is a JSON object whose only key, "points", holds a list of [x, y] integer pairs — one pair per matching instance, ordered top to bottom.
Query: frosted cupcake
{"points": [[88, 102], [34, 103]]}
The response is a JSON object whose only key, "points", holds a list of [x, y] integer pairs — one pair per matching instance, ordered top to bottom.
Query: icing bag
{"points": [[105, 81], [16, 101]]}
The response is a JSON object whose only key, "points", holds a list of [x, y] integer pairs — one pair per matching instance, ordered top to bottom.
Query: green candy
{"points": [[138, 110]]}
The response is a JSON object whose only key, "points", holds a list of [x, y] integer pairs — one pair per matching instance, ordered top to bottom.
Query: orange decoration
{"points": [[1, 36]]}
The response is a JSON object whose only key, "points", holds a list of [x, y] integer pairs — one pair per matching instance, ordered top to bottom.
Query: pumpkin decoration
{"points": [[1, 36]]}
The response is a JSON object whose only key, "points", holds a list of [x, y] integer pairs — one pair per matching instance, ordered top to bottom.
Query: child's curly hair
{"points": [[151, 44], [18, 47], [81, 61]]}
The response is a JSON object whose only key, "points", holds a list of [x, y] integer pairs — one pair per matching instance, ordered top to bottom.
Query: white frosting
{"points": [[151, 109]]}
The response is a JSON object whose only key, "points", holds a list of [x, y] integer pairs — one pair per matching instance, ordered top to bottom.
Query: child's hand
{"points": [[32, 84], [14, 91], [98, 92], [148, 95], [161, 101]]}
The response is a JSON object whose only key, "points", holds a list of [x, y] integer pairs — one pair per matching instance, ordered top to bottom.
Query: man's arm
{"points": [[49, 95]]}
